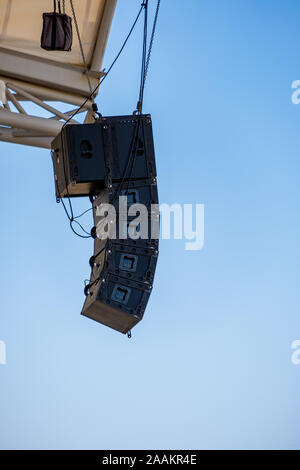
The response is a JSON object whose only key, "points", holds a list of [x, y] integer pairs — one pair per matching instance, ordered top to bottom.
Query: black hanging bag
{"points": [[57, 31]]}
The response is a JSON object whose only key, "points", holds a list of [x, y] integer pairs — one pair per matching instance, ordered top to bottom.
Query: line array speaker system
{"points": [[112, 161], [122, 268]]}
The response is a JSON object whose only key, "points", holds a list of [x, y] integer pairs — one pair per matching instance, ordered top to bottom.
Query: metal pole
{"points": [[40, 102], [22, 121]]}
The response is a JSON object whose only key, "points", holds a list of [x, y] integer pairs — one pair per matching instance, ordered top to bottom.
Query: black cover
{"points": [[57, 31]]}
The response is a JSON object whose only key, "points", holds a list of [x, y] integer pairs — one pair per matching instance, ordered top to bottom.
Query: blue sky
{"points": [[209, 367]]}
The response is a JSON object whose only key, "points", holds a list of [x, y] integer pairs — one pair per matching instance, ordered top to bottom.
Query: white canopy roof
{"points": [[21, 56], [29, 73]]}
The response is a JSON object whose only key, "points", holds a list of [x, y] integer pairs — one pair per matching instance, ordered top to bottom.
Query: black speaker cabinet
{"points": [[129, 147], [89, 157], [78, 160], [136, 191], [127, 228], [127, 233], [126, 261], [121, 279], [115, 301]]}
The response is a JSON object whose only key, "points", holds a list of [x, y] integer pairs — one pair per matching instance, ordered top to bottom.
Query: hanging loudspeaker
{"points": [[89, 157], [127, 214], [127, 261], [123, 264], [115, 301]]}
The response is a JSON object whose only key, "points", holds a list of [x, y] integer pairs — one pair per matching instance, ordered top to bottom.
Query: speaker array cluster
{"points": [[112, 162]]}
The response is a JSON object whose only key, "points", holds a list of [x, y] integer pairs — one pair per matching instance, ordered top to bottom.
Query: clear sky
{"points": [[210, 366]]}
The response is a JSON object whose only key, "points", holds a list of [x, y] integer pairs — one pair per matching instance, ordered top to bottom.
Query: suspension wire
{"points": [[152, 40], [124, 44], [81, 49], [144, 52], [145, 67], [110, 68], [144, 70], [134, 143], [133, 152], [131, 159], [70, 217]]}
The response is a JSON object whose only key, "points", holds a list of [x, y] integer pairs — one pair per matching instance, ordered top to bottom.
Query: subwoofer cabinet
{"points": [[89, 157]]}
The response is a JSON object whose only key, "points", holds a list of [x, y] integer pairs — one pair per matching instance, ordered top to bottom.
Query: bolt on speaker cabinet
{"points": [[129, 147], [88, 157], [78, 160], [136, 191], [132, 217], [136, 232], [127, 261], [123, 268], [115, 301]]}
